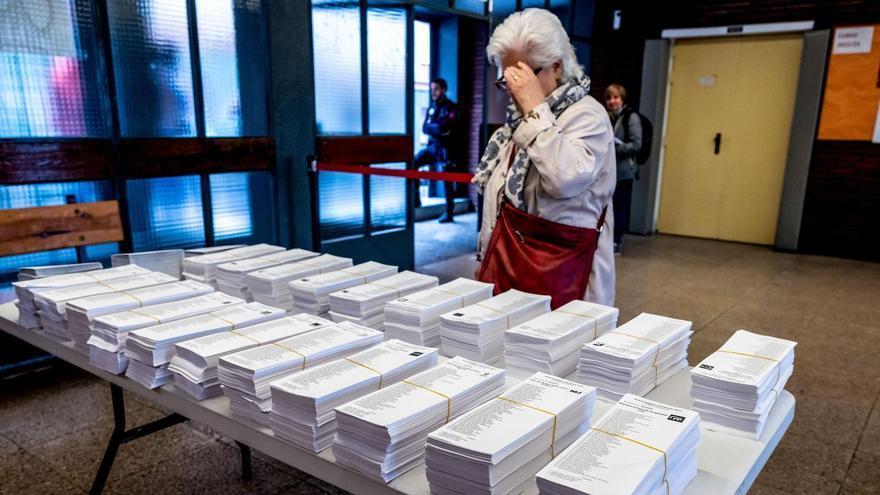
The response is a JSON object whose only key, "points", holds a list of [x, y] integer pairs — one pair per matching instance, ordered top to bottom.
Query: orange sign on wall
{"points": [[851, 105]]}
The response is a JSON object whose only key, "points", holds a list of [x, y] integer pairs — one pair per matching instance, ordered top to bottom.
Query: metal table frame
{"points": [[728, 464]]}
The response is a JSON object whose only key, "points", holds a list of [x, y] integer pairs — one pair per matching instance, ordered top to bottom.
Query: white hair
{"points": [[538, 34]]}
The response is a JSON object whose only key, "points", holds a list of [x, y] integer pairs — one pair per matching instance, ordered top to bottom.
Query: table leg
{"points": [[247, 469]]}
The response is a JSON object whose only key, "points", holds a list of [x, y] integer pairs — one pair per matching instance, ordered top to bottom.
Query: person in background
{"points": [[439, 125], [627, 143], [554, 157]]}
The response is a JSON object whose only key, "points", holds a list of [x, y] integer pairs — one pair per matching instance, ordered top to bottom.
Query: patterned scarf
{"points": [[561, 98]]}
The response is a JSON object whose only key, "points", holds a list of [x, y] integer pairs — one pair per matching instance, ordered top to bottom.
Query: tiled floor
{"points": [[54, 424]]}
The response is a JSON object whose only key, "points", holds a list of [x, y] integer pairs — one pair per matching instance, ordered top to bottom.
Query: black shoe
{"points": [[446, 218]]}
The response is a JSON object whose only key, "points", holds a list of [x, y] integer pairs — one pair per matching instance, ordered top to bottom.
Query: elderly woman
{"points": [[552, 163]]}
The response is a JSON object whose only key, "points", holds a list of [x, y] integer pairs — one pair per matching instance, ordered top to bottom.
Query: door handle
{"points": [[717, 141]]}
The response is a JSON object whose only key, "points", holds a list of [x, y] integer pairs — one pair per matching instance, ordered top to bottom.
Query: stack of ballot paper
{"points": [[189, 253], [168, 261], [204, 268], [32, 272], [231, 277], [270, 285], [26, 289], [312, 294], [52, 304], [364, 304], [82, 312], [416, 317], [477, 331], [109, 333], [552, 342], [149, 350], [636, 357], [195, 361], [245, 375], [736, 386], [303, 404], [382, 435], [500, 445], [639, 447]]}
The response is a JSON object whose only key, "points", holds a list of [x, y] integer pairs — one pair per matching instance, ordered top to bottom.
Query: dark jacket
{"points": [[440, 120], [627, 142]]}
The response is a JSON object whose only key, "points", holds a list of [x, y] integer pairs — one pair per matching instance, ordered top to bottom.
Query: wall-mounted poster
{"points": [[851, 106]]}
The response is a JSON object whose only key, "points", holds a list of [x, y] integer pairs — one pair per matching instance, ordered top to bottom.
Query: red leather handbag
{"points": [[532, 254]]}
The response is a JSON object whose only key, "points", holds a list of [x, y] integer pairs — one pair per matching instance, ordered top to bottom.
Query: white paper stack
{"points": [[189, 253], [168, 261], [204, 268], [32, 272], [232, 276], [270, 285], [26, 289], [312, 294], [52, 304], [364, 304], [82, 312], [416, 317], [477, 331], [109, 333], [552, 342], [149, 350], [636, 357], [195, 361], [246, 375], [736, 386], [303, 404], [382, 435], [500, 445], [638, 447]]}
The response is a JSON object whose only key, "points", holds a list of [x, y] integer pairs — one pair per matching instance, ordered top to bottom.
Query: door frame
{"points": [[654, 104]]}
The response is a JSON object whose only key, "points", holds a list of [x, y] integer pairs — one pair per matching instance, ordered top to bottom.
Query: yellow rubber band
{"points": [[460, 296], [495, 310], [595, 321], [656, 355], [758, 356], [374, 370], [448, 398], [553, 438], [643, 444]]}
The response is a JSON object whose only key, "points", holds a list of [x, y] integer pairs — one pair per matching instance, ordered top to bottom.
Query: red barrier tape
{"points": [[406, 174]]}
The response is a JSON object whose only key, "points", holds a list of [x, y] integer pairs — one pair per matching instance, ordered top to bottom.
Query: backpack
{"points": [[647, 136]]}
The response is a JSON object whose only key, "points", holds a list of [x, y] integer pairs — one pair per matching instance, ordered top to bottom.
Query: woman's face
{"points": [[548, 77], [613, 102]]}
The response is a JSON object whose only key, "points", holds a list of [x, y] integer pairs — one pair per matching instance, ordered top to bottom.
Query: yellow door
{"points": [[738, 93]]}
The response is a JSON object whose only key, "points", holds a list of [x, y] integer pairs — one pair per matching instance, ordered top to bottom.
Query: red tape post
{"points": [[406, 174]]}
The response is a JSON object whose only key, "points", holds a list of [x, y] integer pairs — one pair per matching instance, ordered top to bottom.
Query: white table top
{"points": [[727, 464]]}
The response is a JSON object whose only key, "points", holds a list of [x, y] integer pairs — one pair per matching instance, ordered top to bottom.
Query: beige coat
{"points": [[571, 179]]}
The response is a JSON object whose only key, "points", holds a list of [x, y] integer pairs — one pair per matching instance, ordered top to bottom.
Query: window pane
{"points": [[532, 3], [472, 6], [501, 9], [562, 9], [583, 18], [150, 40], [232, 51], [584, 52], [337, 58], [386, 70], [50, 80], [422, 80], [387, 200], [340, 205], [242, 206], [165, 213]]}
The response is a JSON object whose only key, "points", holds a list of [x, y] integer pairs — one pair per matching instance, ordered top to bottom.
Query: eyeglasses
{"points": [[501, 83]]}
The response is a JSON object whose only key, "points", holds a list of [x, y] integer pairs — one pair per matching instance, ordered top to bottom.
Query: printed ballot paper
{"points": [[169, 261], [204, 268], [232, 276], [271, 285], [312, 294], [363, 304], [416, 317], [477, 331], [551, 342], [150, 349], [636, 357], [195, 361], [245, 375], [736, 386], [302, 404], [382, 435], [501, 444], [638, 447]]}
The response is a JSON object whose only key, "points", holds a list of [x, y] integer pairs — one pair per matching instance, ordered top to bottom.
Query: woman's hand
{"points": [[524, 86]]}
